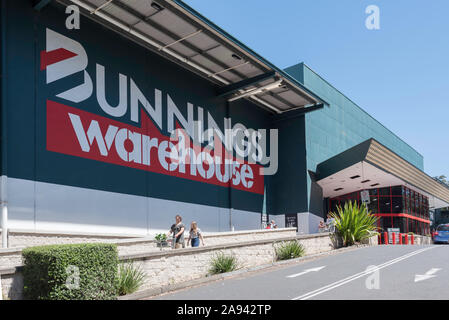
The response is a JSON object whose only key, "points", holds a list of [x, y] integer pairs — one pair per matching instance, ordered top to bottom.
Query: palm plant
{"points": [[354, 223]]}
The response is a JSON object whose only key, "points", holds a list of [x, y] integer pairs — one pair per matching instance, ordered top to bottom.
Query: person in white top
{"points": [[330, 223], [195, 235]]}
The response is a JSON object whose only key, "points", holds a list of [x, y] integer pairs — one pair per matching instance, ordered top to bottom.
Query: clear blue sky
{"points": [[399, 74]]}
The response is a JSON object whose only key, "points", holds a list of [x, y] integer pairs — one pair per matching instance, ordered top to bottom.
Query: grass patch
{"points": [[289, 250], [222, 263], [130, 278]]}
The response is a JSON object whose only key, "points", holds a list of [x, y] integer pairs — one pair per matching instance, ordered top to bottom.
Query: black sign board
{"points": [[264, 220], [291, 221]]}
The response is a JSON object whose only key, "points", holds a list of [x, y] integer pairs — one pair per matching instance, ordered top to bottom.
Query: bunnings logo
{"points": [[234, 157]]}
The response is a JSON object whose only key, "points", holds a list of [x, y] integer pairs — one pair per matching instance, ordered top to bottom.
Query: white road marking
{"points": [[306, 271], [429, 274], [358, 275]]}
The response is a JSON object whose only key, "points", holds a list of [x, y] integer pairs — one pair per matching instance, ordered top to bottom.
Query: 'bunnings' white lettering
{"points": [[64, 56]]}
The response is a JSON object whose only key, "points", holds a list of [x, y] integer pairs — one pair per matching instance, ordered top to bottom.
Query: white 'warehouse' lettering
{"points": [[136, 147]]}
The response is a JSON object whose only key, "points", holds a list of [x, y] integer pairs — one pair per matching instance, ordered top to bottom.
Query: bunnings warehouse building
{"points": [[87, 115]]}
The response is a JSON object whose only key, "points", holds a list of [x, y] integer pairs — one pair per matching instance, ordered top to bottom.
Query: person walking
{"points": [[330, 223], [321, 227], [178, 233], [195, 235]]}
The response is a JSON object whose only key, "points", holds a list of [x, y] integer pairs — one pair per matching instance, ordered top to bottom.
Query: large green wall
{"points": [[26, 94], [340, 126], [287, 189]]}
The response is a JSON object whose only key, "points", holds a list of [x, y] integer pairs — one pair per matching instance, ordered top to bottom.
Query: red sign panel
{"points": [[83, 134]]}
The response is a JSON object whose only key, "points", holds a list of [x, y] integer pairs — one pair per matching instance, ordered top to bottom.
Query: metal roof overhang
{"points": [[176, 31], [372, 165]]}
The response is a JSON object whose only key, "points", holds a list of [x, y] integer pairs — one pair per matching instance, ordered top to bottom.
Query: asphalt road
{"points": [[399, 272]]}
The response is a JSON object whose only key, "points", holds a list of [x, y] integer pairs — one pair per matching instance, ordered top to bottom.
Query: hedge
{"points": [[51, 272]]}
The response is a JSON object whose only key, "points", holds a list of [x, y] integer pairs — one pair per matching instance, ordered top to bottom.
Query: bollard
{"points": [[385, 237], [393, 238], [400, 238], [406, 238], [379, 239], [412, 239]]}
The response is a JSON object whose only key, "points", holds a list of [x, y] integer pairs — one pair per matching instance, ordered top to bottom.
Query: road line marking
{"points": [[306, 271], [429, 274], [358, 275]]}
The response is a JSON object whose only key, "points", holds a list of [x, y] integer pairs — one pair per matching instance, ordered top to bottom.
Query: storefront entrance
{"points": [[396, 206]]}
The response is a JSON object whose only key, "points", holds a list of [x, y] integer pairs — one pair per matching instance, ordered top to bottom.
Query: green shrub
{"points": [[354, 223], [161, 237], [289, 250], [222, 263], [71, 272], [130, 278]]}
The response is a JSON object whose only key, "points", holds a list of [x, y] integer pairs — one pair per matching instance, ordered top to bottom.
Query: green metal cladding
{"points": [[341, 125]]}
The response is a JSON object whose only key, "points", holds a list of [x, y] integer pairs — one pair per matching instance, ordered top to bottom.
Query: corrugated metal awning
{"points": [[177, 32], [383, 157], [372, 165]]}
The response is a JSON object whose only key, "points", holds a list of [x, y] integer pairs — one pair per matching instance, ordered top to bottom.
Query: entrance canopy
{"points": [[176, 31], [372, 165]]}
